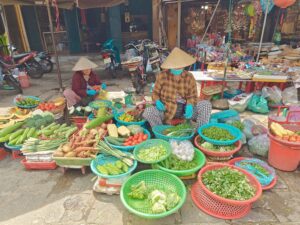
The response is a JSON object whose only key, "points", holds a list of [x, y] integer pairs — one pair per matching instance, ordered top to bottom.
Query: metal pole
{"points": [[210, 21], [178, 23], [263, 31], [54, 45]]}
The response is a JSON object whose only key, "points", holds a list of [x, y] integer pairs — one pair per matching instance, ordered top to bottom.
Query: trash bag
{"points": [[273, 94], [290, 96], [239, 102], [258, 104], [259, 145]]}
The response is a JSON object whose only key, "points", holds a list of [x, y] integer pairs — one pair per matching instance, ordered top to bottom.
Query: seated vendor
{"points": [[84, 82], [175, 93]]}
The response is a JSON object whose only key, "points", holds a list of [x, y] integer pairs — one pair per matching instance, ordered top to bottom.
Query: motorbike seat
{"points": [[20, 56]]}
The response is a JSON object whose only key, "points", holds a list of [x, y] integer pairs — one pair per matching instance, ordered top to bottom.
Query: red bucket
{"points": [[24, 81], [284, 155]]}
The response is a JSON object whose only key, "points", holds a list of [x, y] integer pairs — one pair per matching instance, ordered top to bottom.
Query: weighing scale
{"points": [[129, 98]]}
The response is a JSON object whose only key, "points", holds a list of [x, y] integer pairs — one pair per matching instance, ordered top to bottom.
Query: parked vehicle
{"points": [[111, 57], [44, 59], [7, 77]]}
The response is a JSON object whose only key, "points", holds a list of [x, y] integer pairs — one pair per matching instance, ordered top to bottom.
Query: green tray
{"points": [[200, 158], [72, 161], [161, 180]]}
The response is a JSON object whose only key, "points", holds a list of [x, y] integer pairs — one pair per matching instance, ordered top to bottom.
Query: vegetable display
{"points": [[24, 101], [47, 106], [80, 111], [131, 116], [98, 121], [238, 124], [181, 130], [56, 131], [217, 133], [284, 134], [36, 145], [217, 148], [106, 149], [184, 150], [151, 154], [174, 163], [116, 168], [228, 183], [159, 200]]}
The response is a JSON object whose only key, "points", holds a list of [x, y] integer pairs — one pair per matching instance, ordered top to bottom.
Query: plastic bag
{"points": [[148, 67], [273, 94], [290, 96], [239, 102], [258, 104], [248, 123], [259, 145], [184, 150]]}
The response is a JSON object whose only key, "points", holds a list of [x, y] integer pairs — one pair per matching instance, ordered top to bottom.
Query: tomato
{"points": [[140, 139], [126, 144]]}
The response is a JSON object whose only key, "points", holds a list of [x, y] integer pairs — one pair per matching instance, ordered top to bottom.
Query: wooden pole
{"points": [[178, 23], [263, 31], [54, 45]]}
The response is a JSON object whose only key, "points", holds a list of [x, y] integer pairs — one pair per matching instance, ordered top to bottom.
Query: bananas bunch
{"points": [[278, 130]]}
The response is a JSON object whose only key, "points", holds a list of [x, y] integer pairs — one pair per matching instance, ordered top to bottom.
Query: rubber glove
{"points": [[103, 86], [91, 92], [160, 106], [188, 111], [91, 116]]}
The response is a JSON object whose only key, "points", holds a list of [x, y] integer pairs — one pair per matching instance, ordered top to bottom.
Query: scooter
{"points": [[111, 57], [44, 59], [7, 77]]}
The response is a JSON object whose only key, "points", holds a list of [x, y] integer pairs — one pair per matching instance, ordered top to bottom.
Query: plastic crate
{"points": [[39, 165]]}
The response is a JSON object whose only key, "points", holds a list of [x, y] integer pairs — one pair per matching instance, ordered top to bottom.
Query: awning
{"points": [[67, 4]]}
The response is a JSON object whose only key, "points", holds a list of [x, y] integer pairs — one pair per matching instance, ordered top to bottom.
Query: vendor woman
{"points": [[84, 82], [175, 93]]}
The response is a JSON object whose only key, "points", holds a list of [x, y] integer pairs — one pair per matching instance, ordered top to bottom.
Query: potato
{"points": [[66, 148], [58, 154], [70, 154]]}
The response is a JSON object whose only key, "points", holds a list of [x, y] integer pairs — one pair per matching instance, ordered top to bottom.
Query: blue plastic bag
{"points": [[258, 104]]}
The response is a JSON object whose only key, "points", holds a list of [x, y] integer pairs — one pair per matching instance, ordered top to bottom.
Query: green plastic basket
{"points": [[158, 132], [149, 144], [200, 159], [72, 161], [155, 179]]}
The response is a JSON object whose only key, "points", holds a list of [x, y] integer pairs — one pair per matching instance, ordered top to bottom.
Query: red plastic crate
{"points": [[3, 153], [16, 154], [39, 165]]}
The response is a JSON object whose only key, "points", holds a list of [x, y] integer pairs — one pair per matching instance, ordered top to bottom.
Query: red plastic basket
{"points": [[79, 120], [3, 153], [17, 154], [217, 154], [39, 165], [264, 188], [225, 201], [216, 208]]}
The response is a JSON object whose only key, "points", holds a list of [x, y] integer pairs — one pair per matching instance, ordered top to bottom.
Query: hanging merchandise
{"points": [[264, 3], [284, 3], [126, 14], [56, 15]]}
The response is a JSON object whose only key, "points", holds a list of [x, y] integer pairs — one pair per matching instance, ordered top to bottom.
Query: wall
{"points": [[71, 22]]}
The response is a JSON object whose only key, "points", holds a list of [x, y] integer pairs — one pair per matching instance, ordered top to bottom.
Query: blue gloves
{"points": [[103, 86], [91, 92], [160, 106], [188, 111], [91, 116]]}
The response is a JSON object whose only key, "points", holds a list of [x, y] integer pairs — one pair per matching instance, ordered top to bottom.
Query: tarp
{"points": [[67, 4]]}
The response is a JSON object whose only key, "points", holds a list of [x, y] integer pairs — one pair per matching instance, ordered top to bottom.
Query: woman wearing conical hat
{"points": [[83, 83], [175, 93]]}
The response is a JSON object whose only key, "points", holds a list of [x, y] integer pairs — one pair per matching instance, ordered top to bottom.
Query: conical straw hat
{"points": [[178, 59], [84, 64]]}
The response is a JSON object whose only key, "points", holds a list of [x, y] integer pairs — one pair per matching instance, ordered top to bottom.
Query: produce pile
{"points": [[26, 102], [52, 105], [15, 115], [131, 116], [181, 130], [56, 131], [217, 133], [16, 134], [284, 134], [125, 135], [34, 145], [216, 148], [152, 154], [174, 163], [115, 168], [228, 183], [158, 199]]}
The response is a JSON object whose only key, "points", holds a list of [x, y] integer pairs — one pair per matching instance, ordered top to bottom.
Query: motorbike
{"points": [[151, 55], [111, 57], [44, 59], [24, 62], [7, 76]]}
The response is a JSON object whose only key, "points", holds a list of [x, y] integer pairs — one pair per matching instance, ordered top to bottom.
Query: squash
{"points": [[112, 130], [124, 131]]}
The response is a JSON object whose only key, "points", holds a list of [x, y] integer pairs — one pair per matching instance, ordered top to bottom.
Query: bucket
{"points": [[24, 80], [284, 155]]}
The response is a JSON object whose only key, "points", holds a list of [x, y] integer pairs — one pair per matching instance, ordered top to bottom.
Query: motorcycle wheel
{"points": [[47, 65], [34, 69], [112, 71], [11, 81], [137, 83]]}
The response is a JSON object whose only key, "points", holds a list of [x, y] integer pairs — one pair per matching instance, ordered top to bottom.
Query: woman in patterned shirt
{"points": [[175, 93]]}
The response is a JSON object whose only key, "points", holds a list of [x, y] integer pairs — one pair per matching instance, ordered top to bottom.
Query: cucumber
{"points": [[98, 121], [7, 130], [30, 132], [47, 132], [16, 134], [23, 136], [5, 138], [14, 141], [115, 141]]}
